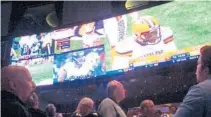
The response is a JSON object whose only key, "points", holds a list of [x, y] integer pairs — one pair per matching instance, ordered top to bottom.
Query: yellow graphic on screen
{"points": [[147, 44]]}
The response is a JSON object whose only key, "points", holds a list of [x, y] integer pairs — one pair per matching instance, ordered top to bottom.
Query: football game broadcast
{"points": [[167, 33], [156, 34], [83, 36], [58, 41], [31, 46], [79, 64], [41, 69]]}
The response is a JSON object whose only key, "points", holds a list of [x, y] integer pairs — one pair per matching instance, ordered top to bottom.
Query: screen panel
{"points": [[157, 34], [165, 34], [78, 37], [58, 41], [85, 43], [31, 46], [81, 64], [41, 69]]}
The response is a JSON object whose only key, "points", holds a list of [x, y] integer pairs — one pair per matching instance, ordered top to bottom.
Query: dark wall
{"points": [[163, 84]]}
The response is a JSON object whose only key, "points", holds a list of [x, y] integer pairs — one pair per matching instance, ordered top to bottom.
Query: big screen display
{"points": [[165, 34]]}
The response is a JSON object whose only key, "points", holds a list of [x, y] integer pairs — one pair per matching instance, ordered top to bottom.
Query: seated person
{"points": [[16, 87], [197, 102], [85, 108], [147, 108], [50, 110], [172, 110], [158, 113]]}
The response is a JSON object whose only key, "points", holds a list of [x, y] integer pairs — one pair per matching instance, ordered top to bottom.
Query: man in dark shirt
{"points": [[17, 86], [197, 102], [33, 104]]}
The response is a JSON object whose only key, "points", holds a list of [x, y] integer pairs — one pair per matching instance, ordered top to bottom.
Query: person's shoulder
{"points": [[206, 83], [205, 86], [195, 100], [107, 101], [12, 104], [106, 104], [11, 109], [37, 112], [41, 112], [75, 114]]}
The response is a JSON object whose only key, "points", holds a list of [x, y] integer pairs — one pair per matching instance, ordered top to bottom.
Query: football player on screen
{"points": [[116, 31], [90, 36], [148, 39], [25, 45], [29, 45], [46, 46], [35, 47], [13, 54], [90, 64], [79, 65], [67, 70]]}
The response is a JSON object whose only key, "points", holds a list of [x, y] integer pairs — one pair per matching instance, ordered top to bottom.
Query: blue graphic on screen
{"points": [[79, 65]]}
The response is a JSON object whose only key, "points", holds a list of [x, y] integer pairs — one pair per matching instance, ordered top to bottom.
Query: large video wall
{"points": [[168, 33]]}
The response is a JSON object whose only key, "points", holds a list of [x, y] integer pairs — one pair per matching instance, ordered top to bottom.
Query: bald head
{"points": [[11, 73], [17, 80], [116, 91], [85, 106]]}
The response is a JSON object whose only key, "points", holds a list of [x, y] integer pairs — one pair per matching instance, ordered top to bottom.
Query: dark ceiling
{"points": [[29, 3], [41, 8], [29, 16]]}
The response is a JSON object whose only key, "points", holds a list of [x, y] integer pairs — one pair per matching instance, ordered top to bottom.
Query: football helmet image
{"points": [[90, 27], [86, 28], [147, 30], [148, 39]]}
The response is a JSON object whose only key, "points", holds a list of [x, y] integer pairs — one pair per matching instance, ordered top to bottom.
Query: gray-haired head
{"points": [[115, 91], [85, 106], [50, 110]]}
